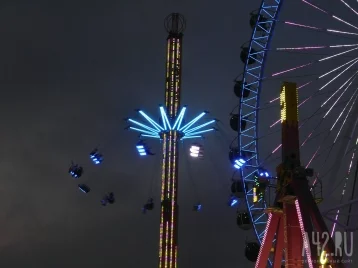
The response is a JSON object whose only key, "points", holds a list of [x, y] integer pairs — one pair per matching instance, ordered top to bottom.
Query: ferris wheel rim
{"points": [[265, 4]]}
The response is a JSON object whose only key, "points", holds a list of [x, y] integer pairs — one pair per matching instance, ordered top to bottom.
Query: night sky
{"points": [[70, 72]]}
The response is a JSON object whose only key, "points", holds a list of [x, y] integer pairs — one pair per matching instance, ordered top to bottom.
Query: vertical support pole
{"points": [[291, 160], [272, 224], [294, 239], [168, 241], [277, 261]]}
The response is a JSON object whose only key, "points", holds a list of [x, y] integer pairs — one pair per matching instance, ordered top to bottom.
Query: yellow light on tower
{"points": [[289, 103], [283, 104], [254, 195]]}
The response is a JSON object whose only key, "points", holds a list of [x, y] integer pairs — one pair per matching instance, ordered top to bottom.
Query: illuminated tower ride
{"points": [[171, 131], [294, 222]]}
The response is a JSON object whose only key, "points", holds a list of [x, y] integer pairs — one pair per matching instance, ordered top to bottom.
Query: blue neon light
{"points": [[187, 131], [141, 150], [96, 158], [238, 163], [264, 174], [233, 201]]}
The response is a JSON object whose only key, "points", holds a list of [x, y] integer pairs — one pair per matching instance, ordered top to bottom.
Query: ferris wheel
{"points": [[314, 44]]}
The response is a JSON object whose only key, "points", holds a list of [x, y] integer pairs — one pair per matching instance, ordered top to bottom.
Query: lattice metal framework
{"points": [[253, 73]]}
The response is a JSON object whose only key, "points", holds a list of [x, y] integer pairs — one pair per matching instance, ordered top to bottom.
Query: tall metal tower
{"points": [[170, 131], [294, 222], [168, 248]]}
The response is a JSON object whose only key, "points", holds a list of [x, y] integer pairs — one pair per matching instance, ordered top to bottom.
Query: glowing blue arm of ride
{"points": [[165, 119], [179, 119], [150, 120], [192, 122], [142, 125], [199, 127], [143, 131], [199, 132], [150, 136], [191, 137]]}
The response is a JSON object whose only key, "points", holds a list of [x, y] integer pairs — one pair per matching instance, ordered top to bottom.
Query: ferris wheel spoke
{"points": [[312, 5], [352, 9], [330, 14], [345, 22], [303, 25], [318, 29], [340, 32], [292, 49], [320, 60], [337, 68], [292, 69], [338, 75], [318, 77], [306, 84], [314, 95], [337, 100], [319, 112], [340, 115], [345, 119], [269, 134], [310, 137], [324, 140], [354, 147], [330, 148], [323, 151], [316, 152], [271, 154], [328, 155], [269, 160], [349, 168], [346, 178], [337, 210], [343, 214], [336, 222]]}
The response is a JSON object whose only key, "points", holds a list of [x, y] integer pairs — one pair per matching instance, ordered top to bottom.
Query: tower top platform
{"points": [[175, 24]]}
